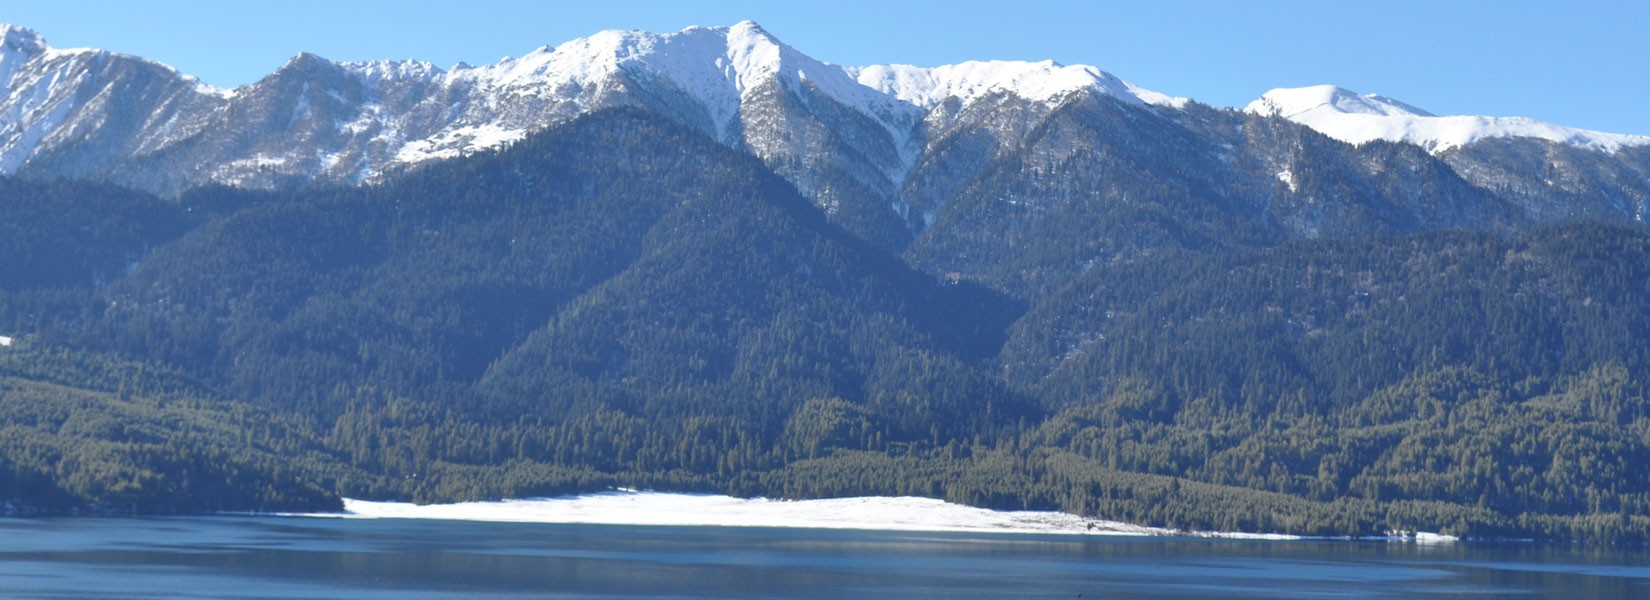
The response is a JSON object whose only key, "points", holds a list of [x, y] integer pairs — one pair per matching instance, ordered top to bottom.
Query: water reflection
{"points": [[247, 557]]}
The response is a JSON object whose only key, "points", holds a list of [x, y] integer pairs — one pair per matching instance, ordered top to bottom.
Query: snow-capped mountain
{"points": [[969, 81], [77, 110], [394, 113], [1355, 119], [847, 137], [882, 149], [1550, 172]]}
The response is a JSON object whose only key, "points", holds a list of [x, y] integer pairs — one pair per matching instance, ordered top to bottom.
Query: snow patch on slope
{"points": [[1042, 81], [1356, 119], [28, 120], [458, 142], [1288, 178]]}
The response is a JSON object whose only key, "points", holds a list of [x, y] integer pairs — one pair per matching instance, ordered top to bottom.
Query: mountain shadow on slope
{"points": [[1097, 181], [615, 263]]}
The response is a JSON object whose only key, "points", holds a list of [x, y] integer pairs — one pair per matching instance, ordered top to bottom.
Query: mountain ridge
{"points": [[717, 68], [1355, 119]]}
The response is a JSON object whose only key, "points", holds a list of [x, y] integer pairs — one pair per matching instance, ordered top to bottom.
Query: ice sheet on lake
{"points": [[625, 507], [631, 507]]}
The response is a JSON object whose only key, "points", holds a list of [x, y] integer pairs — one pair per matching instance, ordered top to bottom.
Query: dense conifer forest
{"points": [[620, 301]]}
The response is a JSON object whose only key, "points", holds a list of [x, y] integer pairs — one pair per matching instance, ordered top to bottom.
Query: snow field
{"points": [[631, 507]]}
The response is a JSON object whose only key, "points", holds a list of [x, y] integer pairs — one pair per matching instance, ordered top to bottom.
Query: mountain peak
{"points": [[748, 27], [19, 38], [756, 49], [306, 60], [306, 63], [718, 66], [304, 68], [397, 69], [1039, 81], [1287, 102], [1355, 119]]}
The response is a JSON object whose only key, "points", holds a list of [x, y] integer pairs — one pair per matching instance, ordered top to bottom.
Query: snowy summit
{"points": [[717, 66], [1045, 81], [66, 112], [1355, 119]]}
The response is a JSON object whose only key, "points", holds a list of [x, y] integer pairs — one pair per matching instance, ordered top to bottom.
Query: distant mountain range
{"points": [[861, 141], [703, 261]]}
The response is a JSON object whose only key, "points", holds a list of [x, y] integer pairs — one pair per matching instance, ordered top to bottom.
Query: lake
{"points": [[297, 557]]}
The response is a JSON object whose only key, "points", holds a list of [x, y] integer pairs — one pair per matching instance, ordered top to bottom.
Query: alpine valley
{"points": [[704, 261]]}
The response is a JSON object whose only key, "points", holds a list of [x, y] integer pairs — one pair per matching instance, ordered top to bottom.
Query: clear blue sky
{"points": [[1583, 63]]}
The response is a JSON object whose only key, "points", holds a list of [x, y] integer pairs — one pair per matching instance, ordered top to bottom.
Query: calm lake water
{"points": [[274, 557]]}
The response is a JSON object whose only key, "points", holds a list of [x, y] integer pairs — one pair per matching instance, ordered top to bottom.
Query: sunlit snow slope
{"points": [[1353, 118]]}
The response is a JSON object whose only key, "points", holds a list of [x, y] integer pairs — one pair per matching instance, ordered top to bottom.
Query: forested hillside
{"points": [[622, 300]]}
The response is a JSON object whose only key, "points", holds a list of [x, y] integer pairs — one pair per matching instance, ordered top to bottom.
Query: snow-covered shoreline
{"points": [[630, 507]]}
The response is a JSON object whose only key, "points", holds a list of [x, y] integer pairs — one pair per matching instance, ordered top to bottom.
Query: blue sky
{"points": [[1579, 63]]}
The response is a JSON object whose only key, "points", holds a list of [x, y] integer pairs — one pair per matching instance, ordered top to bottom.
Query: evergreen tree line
{"points": [[621, 302]]}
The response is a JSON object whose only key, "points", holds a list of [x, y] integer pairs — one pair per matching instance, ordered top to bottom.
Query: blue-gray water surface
{"points": [[276, 557]]}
